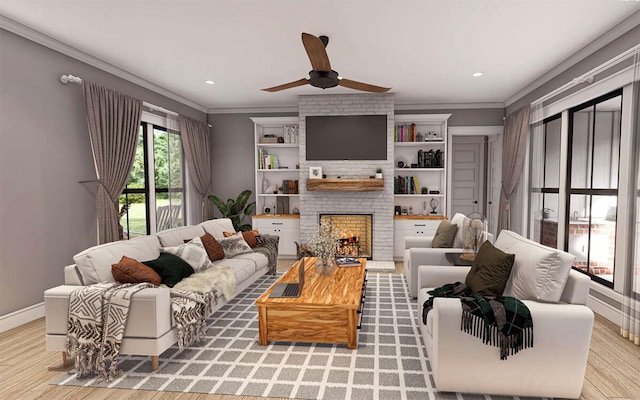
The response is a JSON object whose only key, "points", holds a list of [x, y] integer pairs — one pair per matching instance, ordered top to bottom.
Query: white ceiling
{"points": [[426, 50]]}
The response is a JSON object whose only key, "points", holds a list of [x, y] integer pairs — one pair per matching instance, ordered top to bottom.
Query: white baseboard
{"points": [[605, 310], [21, 317]]}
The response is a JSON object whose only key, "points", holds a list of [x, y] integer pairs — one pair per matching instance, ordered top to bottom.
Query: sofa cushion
{"points": [[459, 219], [218, 226], [445, 234], [176, 236], [251, 237], [211, 245], [234, 245], [192, 252], [94, 264], [242, 267], [171, 268], [129, 270], [490, 271], [539, 272]]}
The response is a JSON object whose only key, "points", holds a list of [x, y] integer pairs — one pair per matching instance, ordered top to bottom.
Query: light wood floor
{"points": [[26, 369]]}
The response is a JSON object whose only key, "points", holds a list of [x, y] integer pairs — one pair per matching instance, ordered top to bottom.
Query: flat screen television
{"points": [[346, 137]]}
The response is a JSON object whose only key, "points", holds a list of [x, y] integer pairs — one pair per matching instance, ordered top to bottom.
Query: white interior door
{"points": [[494, 172], [467, 181]]}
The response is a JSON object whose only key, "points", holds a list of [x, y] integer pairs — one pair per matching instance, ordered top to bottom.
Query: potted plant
{"points": [[378, 173], [235, 209]]}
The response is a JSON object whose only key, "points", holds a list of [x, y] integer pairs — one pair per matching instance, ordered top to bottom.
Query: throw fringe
{"points": [[491, 335]]}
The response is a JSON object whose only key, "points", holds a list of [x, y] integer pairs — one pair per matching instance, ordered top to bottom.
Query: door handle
{"points": [[475, 202]]}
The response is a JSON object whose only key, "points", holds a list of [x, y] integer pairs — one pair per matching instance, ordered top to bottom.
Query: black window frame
{"points": [[589, 191]]}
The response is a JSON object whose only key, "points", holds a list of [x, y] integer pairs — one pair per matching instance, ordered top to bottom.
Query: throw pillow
{"points": [[459, 220], [445, 234], [251, 237], [234, 245], [212, 247], [192, 252], [171, 268], [130, 270], [490, 271], [540, 275]]}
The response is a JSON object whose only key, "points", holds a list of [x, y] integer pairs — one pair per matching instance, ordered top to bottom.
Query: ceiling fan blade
{"points": [[316, 52], [289, 85], [362, 86]]}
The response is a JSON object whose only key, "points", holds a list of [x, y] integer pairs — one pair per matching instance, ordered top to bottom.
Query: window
{"points": [[545, 180], [592, 185], [155, 191]]}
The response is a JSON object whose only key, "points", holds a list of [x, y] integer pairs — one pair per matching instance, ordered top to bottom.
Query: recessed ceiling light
{"points": [[477, 74], [210, 82]]}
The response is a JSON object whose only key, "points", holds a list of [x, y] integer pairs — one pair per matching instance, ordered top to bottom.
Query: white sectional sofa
{"points": [[556, 297], [150, 328]]}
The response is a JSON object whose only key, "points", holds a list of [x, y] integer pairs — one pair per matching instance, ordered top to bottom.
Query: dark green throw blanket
{"points": [[499, 321]]}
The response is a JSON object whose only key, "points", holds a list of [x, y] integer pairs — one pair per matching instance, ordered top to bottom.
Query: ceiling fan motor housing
{"points": [[323, 79]]}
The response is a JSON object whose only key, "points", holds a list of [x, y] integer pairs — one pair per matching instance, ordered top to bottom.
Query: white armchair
{"points": [[418, 251], [553, 367]]}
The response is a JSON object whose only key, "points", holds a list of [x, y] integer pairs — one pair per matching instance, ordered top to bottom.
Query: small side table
{"points": [[454, 259]]}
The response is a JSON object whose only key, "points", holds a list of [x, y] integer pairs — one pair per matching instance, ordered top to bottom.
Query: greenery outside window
{"points": [[155, 190]]}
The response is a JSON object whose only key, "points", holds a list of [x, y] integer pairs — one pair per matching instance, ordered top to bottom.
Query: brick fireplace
{"points": [[379, 204], [356, 233]]}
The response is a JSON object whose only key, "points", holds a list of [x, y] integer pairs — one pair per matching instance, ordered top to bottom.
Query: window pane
{"points": [[581, 149], [606, 149], [552, 154], [537, 157], [134, 218], [592, 234]]}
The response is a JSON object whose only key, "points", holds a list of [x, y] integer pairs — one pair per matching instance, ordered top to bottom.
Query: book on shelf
{"points": [[405, 133], [406, 185], [290, 186], [347, 262]]}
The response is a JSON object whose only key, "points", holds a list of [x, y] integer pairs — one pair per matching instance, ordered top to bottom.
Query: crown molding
{"points": [[608, 37], [63, 48], [446, 106], [254, 110]]}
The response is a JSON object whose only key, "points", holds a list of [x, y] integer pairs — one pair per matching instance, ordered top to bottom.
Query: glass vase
{"points": [[325, 266]]}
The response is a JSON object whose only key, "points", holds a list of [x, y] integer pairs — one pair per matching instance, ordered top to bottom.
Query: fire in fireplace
{"points": [[355, 231]]}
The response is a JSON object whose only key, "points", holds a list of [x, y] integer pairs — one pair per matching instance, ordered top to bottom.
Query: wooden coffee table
{"points": [[327, 311]]}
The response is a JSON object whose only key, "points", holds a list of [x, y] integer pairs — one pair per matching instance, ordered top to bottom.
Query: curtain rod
{"points": [[588, 77], [74, 79]]}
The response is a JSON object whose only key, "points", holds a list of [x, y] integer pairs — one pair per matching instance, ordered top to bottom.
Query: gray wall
{"points": [[616, 47], [232, 153], [46, 216]]}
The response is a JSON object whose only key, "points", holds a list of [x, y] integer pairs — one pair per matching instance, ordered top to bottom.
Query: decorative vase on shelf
{"points": [[325, 266]]}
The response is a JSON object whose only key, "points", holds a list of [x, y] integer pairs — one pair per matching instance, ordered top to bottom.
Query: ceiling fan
{"points": [[322, 75]]}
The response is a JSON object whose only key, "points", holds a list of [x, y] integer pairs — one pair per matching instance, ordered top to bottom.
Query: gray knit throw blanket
{"points": [[98, 316]]}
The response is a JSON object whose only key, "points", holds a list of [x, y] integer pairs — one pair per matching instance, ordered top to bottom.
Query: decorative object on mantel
{"points": [[315, 172], [378, 173], [345, 185], [236, 210], [475, 231], [324, 245]]}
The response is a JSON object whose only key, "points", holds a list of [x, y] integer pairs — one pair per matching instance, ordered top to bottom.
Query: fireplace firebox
{"points": [[355, 233]]}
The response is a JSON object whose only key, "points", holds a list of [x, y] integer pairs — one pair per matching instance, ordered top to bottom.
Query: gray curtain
{"points": [[114, 120], [195, 143], [514, 145]]}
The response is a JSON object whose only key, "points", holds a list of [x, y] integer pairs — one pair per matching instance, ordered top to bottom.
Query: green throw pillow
{"points": [[444, 236], [172, 269], [490, 271]]}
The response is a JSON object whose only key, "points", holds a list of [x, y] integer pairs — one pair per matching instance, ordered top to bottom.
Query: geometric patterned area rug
{"points": [[389, 363]]}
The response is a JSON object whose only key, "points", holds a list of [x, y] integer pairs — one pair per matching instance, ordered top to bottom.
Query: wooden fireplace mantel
{"points": [[345, 185]]}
